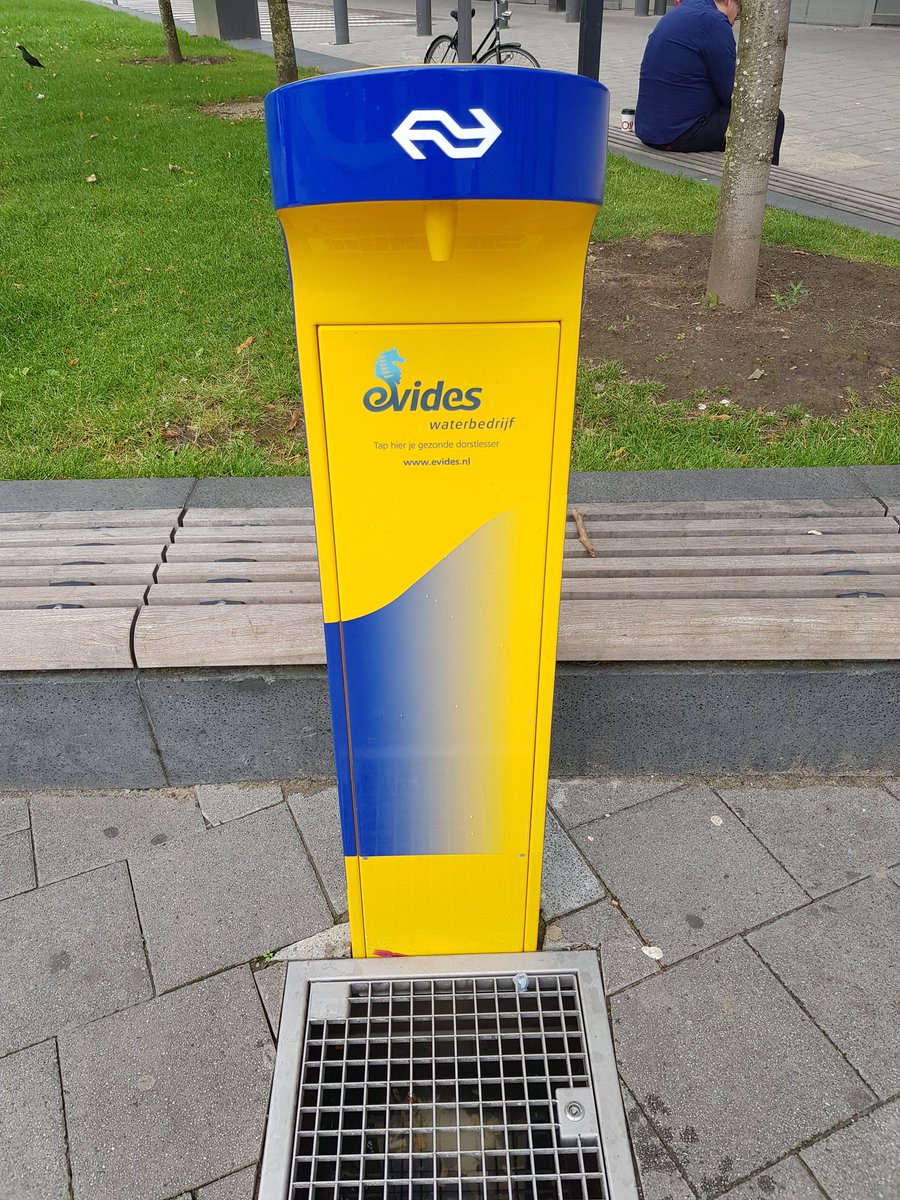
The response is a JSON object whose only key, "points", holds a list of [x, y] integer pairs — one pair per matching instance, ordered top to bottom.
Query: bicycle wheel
{"points": [[441, 50], [509, 56]]}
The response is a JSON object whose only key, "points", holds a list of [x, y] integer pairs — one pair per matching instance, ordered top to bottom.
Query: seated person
{"points": [[687, 77]]}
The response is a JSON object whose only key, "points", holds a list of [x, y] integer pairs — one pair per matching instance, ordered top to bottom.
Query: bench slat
{"points": [[711, 509], [248, 516], [159, 519], [739, 530], [256, 533], [82, 537], [775, 544], [238, 552], [35, 556], [730, 564], [207, 572], [47, 576], [710, 587], [275, 592], [82, 597], [614, 630], [728, 630], [233, 636], [69, 640]]}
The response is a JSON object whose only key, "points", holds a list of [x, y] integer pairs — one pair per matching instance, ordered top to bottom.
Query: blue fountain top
{"points": [[438, 133]]}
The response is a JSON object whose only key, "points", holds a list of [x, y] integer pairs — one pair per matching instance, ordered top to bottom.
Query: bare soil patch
{"points": [[198, 60], [234, 110], [644, 307]]}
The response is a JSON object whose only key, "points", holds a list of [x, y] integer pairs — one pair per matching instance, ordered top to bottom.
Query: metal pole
{"points": [[642, 8], [659, 8], [573, 11], [423, 18], [341, 23], [589, 38], [464, 40]]}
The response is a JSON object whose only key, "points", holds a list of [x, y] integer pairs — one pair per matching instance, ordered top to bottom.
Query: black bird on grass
{"points": [[29, 58]]}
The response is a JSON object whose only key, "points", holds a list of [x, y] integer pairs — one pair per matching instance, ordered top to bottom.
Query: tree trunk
{"points": [[283, 42], [173, 48], [734, 265]]}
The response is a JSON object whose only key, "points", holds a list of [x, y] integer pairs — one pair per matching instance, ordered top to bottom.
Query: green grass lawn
{"points": [[124, 300], [627, 425]]}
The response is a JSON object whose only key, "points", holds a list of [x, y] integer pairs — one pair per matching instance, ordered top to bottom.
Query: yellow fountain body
{"points": [[436, 222]]}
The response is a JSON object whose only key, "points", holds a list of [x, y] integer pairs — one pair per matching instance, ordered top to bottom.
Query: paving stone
{"points": [[249, 724], [70, 729], [576, 801], [220, 802], [13, 814], [318, 816], [79, 831], [826, 835], [16, 864], [686, 871], [567, 882], [239, 890], [601, 926], [331, 943], [68, 953], [841, 959], [270, 985], [732, 1072], [168, 1095], [32, 1128], [861, 1162], [659, 1176], [788, 1180], [235, 1187]]}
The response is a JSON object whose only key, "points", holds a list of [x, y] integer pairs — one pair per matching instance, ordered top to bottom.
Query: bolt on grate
{"points": [[448, 1086]]}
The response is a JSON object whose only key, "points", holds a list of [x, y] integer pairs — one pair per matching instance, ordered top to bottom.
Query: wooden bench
{"points": [[841, 202], [701, 581], [72, 583]]}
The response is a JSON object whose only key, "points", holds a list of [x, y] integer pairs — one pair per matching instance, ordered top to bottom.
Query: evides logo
{"points": [[431, 399]]}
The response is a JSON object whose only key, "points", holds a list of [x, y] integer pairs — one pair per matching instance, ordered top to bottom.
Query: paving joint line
{"points": [[154, 737], [678, 787], [755, 835], [34, 860], [312, 862], [137, 913], [800, 1004], [269, 1022], [845, 1124], [670, 1151], [70, 1179]]}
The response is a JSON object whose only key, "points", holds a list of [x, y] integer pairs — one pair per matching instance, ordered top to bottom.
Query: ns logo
{"points": [[387, 395]]}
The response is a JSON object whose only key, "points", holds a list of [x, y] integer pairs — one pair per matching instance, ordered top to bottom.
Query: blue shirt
{"points": [[687, 71]]}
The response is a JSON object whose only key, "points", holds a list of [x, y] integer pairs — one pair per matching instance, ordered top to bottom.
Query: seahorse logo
{"points": [[387, 367]]}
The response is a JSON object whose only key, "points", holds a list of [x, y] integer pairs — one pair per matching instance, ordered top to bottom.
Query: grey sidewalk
{"points": [[841, 90], [751, 942]]}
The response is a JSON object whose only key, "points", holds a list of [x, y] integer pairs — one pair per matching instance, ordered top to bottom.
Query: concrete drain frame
{"points": [[486, 1076]]}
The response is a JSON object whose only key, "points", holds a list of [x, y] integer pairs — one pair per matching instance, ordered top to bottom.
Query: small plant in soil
{"points": [[795, 293]]}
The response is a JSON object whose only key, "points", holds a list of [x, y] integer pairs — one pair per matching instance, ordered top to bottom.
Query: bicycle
{"points": [[444, 49]]}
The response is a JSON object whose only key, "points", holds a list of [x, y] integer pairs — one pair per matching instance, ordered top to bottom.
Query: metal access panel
{"points": [[490, 1077]]}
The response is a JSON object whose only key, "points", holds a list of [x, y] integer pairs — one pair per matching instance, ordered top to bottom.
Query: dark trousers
{"points": [[709, 134]]}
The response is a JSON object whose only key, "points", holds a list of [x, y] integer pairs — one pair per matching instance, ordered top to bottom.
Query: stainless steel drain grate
{"points": [[476, 1082]]}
